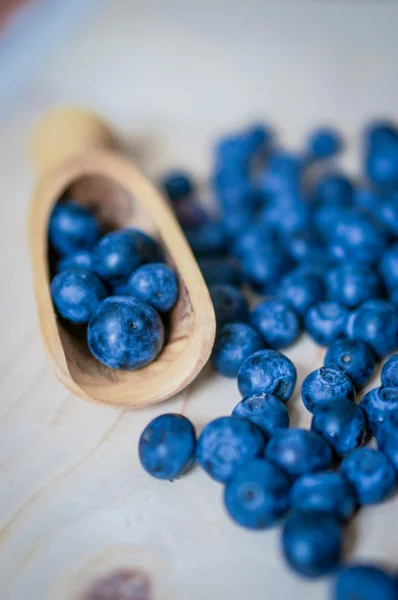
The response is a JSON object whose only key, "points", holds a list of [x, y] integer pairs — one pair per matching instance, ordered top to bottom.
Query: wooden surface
{"points": [[120, 195], [75, 506]]}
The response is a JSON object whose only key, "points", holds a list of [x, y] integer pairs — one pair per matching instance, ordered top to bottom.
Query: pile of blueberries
{"points": [[322, 251], [115, 290]]}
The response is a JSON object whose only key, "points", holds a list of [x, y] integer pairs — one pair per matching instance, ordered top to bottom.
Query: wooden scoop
{"points": [[69, 146]]}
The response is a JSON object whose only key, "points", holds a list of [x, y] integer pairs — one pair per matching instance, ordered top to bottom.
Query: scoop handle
{"points": [[66, 132]]}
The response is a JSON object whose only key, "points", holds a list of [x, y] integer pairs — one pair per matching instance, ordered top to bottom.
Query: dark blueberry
{"points": [[380, 132], [258, 137], [324, 143], [233, 152], [381, 164], [177, 185], [336, 190], [238, 194], [366, 198], [287, 213], [190, 214], [387, 214], [325, 217], [235, 222], [72, 227], [356, 235], [256, 237], [206, 240], [304, 245], [150, 249], [116, 256], [81, 259], [264, 266], [388, 267], [221, 270], [156, 284], [351, 284], [121, 289], [301, 291], [77, 294], [394, 297], [230, 305], [326, 322], [375, 322], [277, 323], [125, 333], [234, 343], [354, 357], [267, 371], [389, 374], [324, 386], [378, 405], [265, 410], [342, 424], [387, 439], [227, 443], [167, 446], [298, 451], [370, 474], [325, 493], [257, 495], [312, 543], [364, 582]]}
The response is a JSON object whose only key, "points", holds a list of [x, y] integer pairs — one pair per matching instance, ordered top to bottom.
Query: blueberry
{"points": [[380, 132], [258, 136], [324, 143], [234, 152], [381, 164], [283, 173], [177, 185], [334, 189], [238, 194], [366, 198], [287, 212], [189, 214], [387, 214], [325, 217], [236, 221], [72, 227], [355, 234], [258, 236], [207, 239], [304, 245], [150, 250], [116, 256], [81, 259], [264, 266], [388, 266], [221, 270], [156, 284], [350, 284], [301, 291], [77, 294], [394, 297], [230, 305], [326, 322], [375, 322], [277, 323], [125, 333], [234, 343], [354, 357], [267, 371], [389, 374], [324, 386], [378, 405], [265, 410], [342, 424], [387, 439], [227, 443], [167, 446], [298, 451], [370, 474], [325, 493], [257, 495], [312, 543], [364, 582]]}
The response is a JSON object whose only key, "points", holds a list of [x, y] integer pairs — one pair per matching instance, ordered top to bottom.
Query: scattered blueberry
{"points": [[324, 143], [382, 165], [177, 185], [335, 190], [72, 227], [356, 234], [207, 239], [304, 245], [150, 250], [116, 256], [81, 259], [264, 266], [388, 266], [221, 271], [156, 284], [350, 284], [301, 291], [77, 294], [230, 305], [326, 322], [375, 322], [277, 323], [125, 333], [234, 343], [354, 357], [267, 371], [389, 374], [324, 386], [378, 405], [265, 410], [342, 424], [387, 439], [227, 443], [167, 446], [298, 451], [370, 474], [326, 493], [257, 495], [312, 543], [364, 582]]}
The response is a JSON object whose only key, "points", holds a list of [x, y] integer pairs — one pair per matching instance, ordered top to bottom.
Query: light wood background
{"points": [[75, 506]]}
